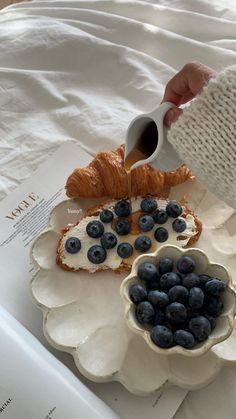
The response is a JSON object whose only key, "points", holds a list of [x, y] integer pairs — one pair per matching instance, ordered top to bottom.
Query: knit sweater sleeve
{"points": [[205, 136]]}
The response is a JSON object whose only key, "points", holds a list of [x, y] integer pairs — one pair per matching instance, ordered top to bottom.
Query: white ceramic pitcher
{"points": [[164, 157]]}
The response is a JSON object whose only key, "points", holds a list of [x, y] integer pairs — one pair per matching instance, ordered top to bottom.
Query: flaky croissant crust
{"points": [[106, 176]]}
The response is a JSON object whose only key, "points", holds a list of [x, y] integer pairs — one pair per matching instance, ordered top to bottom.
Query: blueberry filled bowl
{"points": [[179, 301]]}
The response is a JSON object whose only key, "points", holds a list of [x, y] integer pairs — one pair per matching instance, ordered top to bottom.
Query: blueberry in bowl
{"points": [[179, 301]]}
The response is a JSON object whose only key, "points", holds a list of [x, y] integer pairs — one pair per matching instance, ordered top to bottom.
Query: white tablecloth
{"points": [[81, 70]]}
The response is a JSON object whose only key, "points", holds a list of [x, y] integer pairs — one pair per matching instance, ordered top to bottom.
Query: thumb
{"points": [[172, 115]]}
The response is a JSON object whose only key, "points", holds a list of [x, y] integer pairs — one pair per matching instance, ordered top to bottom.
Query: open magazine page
{"points": [[24, 214]]}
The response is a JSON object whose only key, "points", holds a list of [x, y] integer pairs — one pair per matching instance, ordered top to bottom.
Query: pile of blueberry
{"points": [[150, 217], [176, 305]]}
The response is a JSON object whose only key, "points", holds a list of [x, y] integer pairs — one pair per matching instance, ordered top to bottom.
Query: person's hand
{"points": [[184, 86]]}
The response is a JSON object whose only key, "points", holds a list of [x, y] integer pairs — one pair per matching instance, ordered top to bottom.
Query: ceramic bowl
{"points": [[224, 323]]}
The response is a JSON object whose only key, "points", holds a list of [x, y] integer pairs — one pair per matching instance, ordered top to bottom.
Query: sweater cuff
{"points": [[205, 135]]}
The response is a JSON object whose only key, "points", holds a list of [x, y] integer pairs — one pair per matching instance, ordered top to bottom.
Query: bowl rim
{"points": [[145, 334]]}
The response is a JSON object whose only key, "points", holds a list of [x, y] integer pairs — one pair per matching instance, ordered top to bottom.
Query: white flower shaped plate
{"points": [[84, 313]]}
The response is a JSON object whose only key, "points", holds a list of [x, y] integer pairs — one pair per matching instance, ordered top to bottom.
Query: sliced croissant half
{"points": [[106, 176], [78, 256]]}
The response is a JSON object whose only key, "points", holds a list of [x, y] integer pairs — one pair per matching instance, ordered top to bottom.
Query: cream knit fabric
{"points": [[205, 136]]}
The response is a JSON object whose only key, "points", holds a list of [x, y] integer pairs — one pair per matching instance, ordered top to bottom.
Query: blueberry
{"points": [[148, 205], [123, 208], [174, 209], [106, 216], [160, 216], [146, 222], [179, 225], [122, 226], [95, 229], [161, 234], [108, 240], [142, 243], [73, 245], [125, 250], [96, 254], [166, 265], [185, 265], [147, 271], [204, 279], [169, 280], [191, 280], [215, 287], [137, 293], [178, 294], [158, 298], [196, 298], [214, 306], [144, 312], [176, 313], [191, 313], [159, 317], [212, 321], [170, 326], [200, 327], [162, 336], [184, 338]]}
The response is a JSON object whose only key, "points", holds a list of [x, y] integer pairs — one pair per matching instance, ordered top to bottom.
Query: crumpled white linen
{"points": [[81, 70]]}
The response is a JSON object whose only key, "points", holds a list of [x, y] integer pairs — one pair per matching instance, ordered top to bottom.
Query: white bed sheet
{"points": [[81, 70]]}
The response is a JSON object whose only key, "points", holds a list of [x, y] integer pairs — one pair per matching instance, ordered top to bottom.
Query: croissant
{"points": [[106, 176]]}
